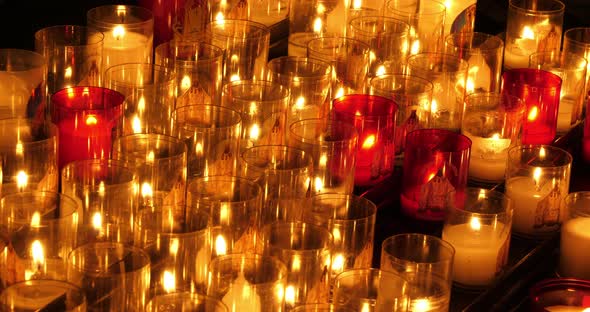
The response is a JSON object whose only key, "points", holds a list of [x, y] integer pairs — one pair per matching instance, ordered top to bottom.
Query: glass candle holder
{"points": [[269, 12], [460, 16], [307, 19], [426, 20], [532, 27], [128, 33], [388, 39], [577, 41], [298, 43], [73, 54], [484, 54], [349, 59], [198, 67], [572, 71], [448, 74], [309, 82], [22, 84], [539, 90], [413, 95], [263, 106], [86, 118], [374, 118], [493, 123], [211, 134], [29, 156], [159, 162], [435, 170], [537, 181], [106, 192], [234, 206], [351, 220], [478, 227], [40, 229], [179, 247], [305, 250], [573, 252], [426, 262], [113, 276], [249, 281], [370, 290], [559, 294], [38, 295], [185, 301], [320, 307]]}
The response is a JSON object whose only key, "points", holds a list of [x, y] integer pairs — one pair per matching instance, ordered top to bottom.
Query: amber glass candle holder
{"points": [[37, 295]]}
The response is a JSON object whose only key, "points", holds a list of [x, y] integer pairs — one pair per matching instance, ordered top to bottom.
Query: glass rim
{"points": [[393, 9], [560, 9], [146, 15], [391, 21], [263, 29], [93, 32], [567, 36], [338, 39], [498, 42], [217, 52], [561, 56], [37, 59], [300, 59], [463, 65], [154, 68], [406, 78], [549, 78], [70, 92], [285, 93], [375, 99], [519, 108], [235, 114], [321, 121], [53, 130], [150, 137], [463, 139], [517, 148], [284, 149], [86, 163], [224, 178], [574, 196], [63, 199], [371, 212], [487, 215], [280, 225], [184, 234], [110, 245], [446, 245], [258, 258], [364, 271], [51, 282], [185, 295], [320, 307]]}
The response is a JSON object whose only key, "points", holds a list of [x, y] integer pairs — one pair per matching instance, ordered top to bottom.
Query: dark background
{"points": [[20, 19]]}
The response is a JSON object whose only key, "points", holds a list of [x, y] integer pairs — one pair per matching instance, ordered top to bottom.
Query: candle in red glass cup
{"points": [[539, 90], [85, 117], [374, 118], [436, 165]]}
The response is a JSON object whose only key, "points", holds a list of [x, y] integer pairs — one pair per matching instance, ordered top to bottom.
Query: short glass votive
{"points": [[269, 13], [532, 27], [128, 33], [388, 39], [577, 41], [298, 43], [484, 54], [198, 67], [572, 71], [448, 74], [308, 80], [22, 84], [539, 90], [150, 93], [413, 95], [263, 106], [374, 117], [86, 118], [492, 122], [212, 136], [333, 146], [29, 156], [159, 162], [435, 169], [537, 181], [107, 193], [234, 206], [351, 220], [478, 226], [40, 231], [305, 249], [573, 250], [426, 262], [113, 276], [249, 281], [370, 290], [559, 294], [40, 295], [185, 301], [320, 307]]}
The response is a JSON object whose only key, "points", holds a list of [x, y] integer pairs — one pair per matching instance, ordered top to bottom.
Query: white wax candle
{"points": [[454, 8], [121, 46], [517, 55], [564, 116], [488, 157], [575, 248], [479, 251], [242, 296], [563, 308]]}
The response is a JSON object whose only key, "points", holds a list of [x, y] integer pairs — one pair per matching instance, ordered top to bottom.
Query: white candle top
{"points": [[242, 296]]}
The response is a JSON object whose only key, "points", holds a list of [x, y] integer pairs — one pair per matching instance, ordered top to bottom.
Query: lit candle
{"points": [[121, 46], [517, 54], [565, 114], [83, 137], [488, 157], [368, 160], [575, 248], [242, 296], [563, 308]]}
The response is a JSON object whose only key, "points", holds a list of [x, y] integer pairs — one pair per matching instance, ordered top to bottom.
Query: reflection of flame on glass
{"points": [[357, 4], [321, 9], [121, 10], [317, 25], [118, 32], [415, 48], [380, 71], [68, 74], [234, 77], [185, 83], [339, 93], [300, 103], [141, 104], [433, 106], [253, 108], [533, 113], [91, 120], [136, 124], [254, 132], [369, 142], [19, 148], [199, 149], [542, 153], [149, 158], [323, 161], [430, 177], [22, 179], [319, 184], [146, 190], [481, 195], [224, 214], [35, 219], [97, 221], [475, 224], [336, 235], [220, 245], [173, 248], [38, 254], [296, 263], [338, 264], [168, 282], [290, 295], [421, 305], [366, 307]]}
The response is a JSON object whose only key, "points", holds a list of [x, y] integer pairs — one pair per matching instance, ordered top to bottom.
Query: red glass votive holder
{"points": [[539, 90], [85, 118], [374, 119], [436, 166], [560, 294]]}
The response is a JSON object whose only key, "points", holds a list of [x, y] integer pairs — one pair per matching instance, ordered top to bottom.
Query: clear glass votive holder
{"points": [[269, 13], [309, 17], [532, 27], [128, 33], [577, 41], [298, 43], [484, 54], [448, 74], [539, 90], [374, 117], [492, 121], [212, 136], [333, 147], [28, 150], [537, 181], [478, 226], [40, 230], [573, 250], [426, 262], [113, 276], [248, 281], [370, 290], [559, 294], [39, 295], [185, 301], [320, 307]]}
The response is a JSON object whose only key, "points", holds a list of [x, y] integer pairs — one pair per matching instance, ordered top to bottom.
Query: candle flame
{"points": [[357, 4], [321, 9], [220, 18], [317, 25], [118, 32], [527, 33], [415, 47], [380, 71], [68, 74], [234, 77], [185, 83], [339, 93], [300, 103], [141, 104], [433, 106], [253, 108], [533, 113], [91, 120], [136, 124], [254, 132], [496, 136], [369, 142], [19, 148], [199, 149], [542, 153], [149, 158], [323, 161], [537, 175], [431, 176], [22, 179], [319, 184], [146, 190], [481, 195], [224, 214], [35, 219], [97, 220], [475, 224], [220, 245], [173, 246], [37, 253], [296, 264], [338, 264], [168, 281], [290, 295], [421, 305], [366, 307]]}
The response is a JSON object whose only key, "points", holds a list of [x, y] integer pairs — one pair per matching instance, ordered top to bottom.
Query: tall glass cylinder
{"points": [[577, 41], [573, 253]]}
